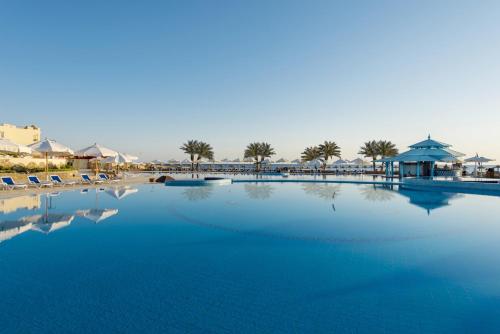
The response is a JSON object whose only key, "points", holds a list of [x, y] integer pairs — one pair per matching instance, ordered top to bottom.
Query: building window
{"points": [[2, 134], [35, 138]]}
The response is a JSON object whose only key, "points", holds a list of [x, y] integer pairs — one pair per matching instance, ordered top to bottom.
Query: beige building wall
{"points": [[25, 135], [39, 162]]}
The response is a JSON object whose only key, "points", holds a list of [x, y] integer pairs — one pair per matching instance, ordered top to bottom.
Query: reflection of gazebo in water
{"points": [[428, 200]]}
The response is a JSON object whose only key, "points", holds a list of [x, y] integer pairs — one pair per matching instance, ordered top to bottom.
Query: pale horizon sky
{"points": [[143, 77]]}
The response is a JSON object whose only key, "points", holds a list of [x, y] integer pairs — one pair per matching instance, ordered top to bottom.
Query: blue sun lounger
{"points": [[105, 178], [56, 179], [87, 179], [34, 181], [8, 182]]}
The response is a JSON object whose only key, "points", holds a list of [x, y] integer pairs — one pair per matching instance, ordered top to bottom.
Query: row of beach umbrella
{"points": [[49, 147], [52, 148], [250, 160]]}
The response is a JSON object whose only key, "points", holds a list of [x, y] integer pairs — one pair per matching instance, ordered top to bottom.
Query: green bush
{"points": [[19, 169]]}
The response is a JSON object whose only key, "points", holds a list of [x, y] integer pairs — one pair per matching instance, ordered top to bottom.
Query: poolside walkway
{"points": [[139, 179]]}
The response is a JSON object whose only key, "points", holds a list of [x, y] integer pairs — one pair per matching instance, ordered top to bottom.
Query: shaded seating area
{"points": [[422, 160]]}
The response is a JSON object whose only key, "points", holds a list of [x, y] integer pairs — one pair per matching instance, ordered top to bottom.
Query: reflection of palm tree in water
{"points": [[259, 190], [322, 190], [198, 193], [375, 193], [333, 202]]}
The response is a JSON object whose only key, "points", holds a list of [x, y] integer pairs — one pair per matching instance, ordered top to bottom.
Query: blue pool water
{"points": [[250, 258]]}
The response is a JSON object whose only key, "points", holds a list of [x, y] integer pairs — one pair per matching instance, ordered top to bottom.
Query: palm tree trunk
{"points": [[373, 162]]}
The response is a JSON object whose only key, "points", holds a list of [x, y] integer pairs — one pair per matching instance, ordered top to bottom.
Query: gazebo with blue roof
{"points": [[421, 159]]}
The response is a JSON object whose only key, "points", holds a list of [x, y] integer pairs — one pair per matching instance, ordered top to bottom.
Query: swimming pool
{"points": [[250, 258]]}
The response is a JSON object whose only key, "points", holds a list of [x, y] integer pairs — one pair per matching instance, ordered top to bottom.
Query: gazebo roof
{"points": [[430, 143], [427, 150]]}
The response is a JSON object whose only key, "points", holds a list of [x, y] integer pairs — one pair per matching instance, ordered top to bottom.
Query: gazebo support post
{"points": [[433, 163], [401, 169], [418, 169]]}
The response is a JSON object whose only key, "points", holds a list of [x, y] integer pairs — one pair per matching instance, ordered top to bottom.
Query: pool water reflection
{"points": [[250, 257]]}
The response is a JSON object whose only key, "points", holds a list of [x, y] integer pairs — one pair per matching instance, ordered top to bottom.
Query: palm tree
{"points": [[191, 148], [370, 149], [386, 149], [204, 150], [328, 150], [253, 151], [265, 151], [258, 152], [311, 153]]}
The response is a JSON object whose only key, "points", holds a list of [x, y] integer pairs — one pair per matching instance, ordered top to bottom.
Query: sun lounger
{"points": [[105, 178], [56, 179], [88, 180], [35, 181], [9, 183]]}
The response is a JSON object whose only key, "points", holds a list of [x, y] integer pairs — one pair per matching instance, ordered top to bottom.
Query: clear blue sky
{"points": [[144, 76]]}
